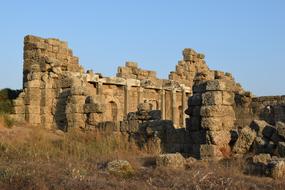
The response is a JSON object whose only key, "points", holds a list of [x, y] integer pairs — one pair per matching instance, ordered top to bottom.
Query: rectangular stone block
{"points": [[131, 64], [32, 84], [216, 85], [33, 96], [212, 98], [228, 98], [77, 99], [74, 108], [30, 109], [217, 111], [217, 123], [219, 138], [245, 140], [210, 151]]}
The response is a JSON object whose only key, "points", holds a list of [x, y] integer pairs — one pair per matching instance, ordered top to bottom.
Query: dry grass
{"points": [[38, 159]]}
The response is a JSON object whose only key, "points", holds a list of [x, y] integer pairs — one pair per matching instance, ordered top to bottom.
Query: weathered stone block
{"points": [[189, 54], [32, 84], [216, 85], [212, 98], [228, 98], [77, 99], [74, 108], [94, 108], [29, 109], [217, 111], [217, 123], [258, 126], [281, 129], [220, 138], [245, 140], [210, 151], [174, 161], [277, 169]]}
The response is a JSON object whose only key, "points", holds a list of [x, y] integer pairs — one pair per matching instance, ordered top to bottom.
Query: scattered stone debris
{"points": [[265, 165], [120, 168]]}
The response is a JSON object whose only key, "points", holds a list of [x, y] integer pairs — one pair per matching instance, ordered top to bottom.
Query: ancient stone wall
{"points": [[48, 67], [187, 68], [55, 88], [269, 108], [197, 111]]}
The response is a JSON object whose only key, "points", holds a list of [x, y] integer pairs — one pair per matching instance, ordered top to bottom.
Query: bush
{"points": [[6, 120]]}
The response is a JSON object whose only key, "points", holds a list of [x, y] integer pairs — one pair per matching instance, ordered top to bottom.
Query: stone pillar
{"points": [[99, 88], [140, 95], [126, 100], [162, 103], [183, 106], [173, 107], [211, 118]]}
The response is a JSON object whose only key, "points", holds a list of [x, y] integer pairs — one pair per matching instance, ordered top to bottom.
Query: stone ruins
{"points": [[197, 111]]}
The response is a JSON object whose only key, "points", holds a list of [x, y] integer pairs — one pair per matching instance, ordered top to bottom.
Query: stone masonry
{"points": [[57, 93], [197, 111]]}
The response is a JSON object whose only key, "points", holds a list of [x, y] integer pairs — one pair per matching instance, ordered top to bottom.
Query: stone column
{"points": [[99, 88], [140, 94], [126, 100], [162, 105], [183, 106], [174, 111]]}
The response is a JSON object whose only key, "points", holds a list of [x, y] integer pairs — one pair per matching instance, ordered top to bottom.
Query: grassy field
{"points": [[34, 158]]}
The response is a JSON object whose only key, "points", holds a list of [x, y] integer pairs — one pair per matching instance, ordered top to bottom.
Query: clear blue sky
{"points": [[244, 37]]}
